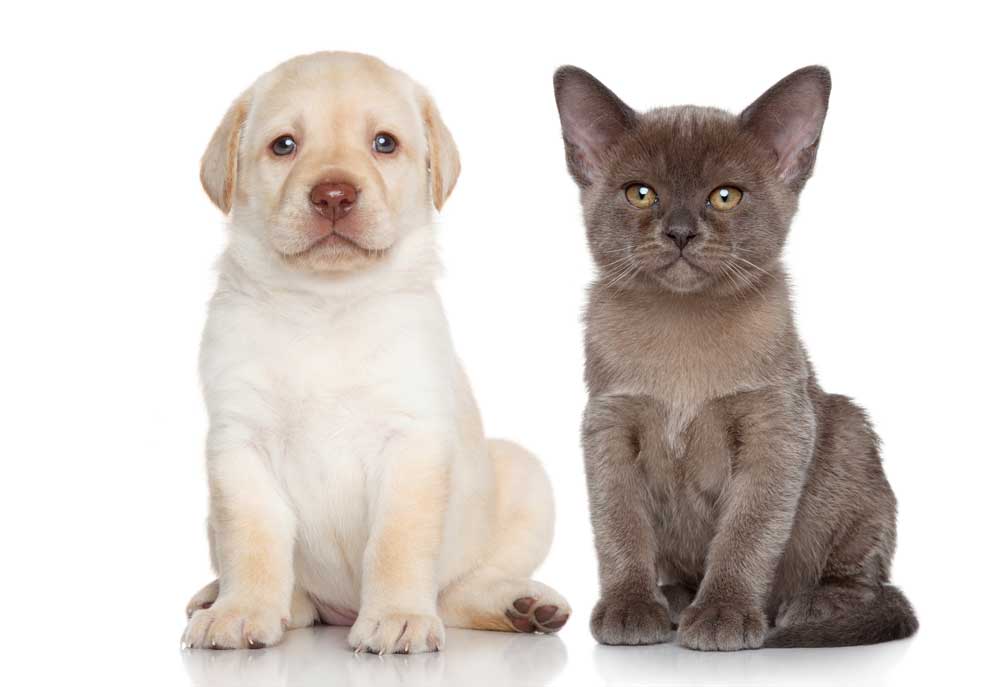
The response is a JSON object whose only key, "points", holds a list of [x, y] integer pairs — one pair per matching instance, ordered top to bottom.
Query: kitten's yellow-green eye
{"points": [[640, 195], [725, 198]]}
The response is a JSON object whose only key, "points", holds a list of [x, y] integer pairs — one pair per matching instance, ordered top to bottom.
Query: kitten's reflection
{"points": [[320, 655], [668, 664]]}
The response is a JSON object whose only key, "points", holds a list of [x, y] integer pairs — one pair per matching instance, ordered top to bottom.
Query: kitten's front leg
{"points": [[776, 433], [252, 534], [399, 584], [632, 609]]}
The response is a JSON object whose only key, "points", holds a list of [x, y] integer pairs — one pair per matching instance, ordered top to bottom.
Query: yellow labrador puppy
{"points": [[349, 477]]}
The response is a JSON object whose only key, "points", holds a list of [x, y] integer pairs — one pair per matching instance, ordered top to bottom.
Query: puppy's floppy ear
{"points": [[789, 118], [592, 119], [218, 164], [443, 164]]}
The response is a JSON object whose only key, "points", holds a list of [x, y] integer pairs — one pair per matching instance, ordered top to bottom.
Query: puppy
{"points": [[350, 481]]}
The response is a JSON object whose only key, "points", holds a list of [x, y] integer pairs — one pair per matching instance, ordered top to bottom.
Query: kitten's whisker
{"points": [[618, 261], [755, 266], [632, 273], [727, 273], [621, 274], [624, 275], [746, 278]]}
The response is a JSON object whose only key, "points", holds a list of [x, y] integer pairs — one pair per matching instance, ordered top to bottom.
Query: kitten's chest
{"points": [[681, 355], [679, 365], [686, 478]]}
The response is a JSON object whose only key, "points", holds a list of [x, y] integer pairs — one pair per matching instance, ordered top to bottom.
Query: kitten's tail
{"points": [[889, 616]]}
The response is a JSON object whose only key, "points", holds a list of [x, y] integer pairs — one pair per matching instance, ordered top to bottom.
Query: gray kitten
{"points": [[729, 494]]}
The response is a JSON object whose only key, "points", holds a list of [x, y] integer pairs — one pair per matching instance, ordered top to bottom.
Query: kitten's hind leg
{"points": [[850, 505], [678, 597], [821, 603], [834, 615]]}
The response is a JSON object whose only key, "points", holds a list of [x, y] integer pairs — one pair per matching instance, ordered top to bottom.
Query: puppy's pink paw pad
{"points": [[527, 614]]}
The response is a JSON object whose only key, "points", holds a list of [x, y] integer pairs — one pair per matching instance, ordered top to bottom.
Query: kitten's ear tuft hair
{"points": [[789, 118], [592, 119]]}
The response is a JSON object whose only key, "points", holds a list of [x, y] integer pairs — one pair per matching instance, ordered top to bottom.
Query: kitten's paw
{"points": [[203, 598], [538, 613], [630, 621], [230, 624], [722, 627], [396, 633]]}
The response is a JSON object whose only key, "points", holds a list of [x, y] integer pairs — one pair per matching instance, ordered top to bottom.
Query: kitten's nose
{"points": [[681, 228]]}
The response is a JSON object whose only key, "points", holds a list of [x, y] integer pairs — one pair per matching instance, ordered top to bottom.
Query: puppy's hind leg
{"points": [[499, 595], [487, 599]]}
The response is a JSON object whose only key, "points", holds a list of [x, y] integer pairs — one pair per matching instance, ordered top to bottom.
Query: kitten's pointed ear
{"points": [[789, 118], [592, 119]]}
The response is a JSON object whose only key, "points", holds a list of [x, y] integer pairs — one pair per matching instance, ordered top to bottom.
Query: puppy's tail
{"points": [[889, 616]]}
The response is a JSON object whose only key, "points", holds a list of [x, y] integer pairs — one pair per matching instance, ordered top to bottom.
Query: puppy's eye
{"points": [[383, 143], [283, 145], [640, 195], [725, 198]]}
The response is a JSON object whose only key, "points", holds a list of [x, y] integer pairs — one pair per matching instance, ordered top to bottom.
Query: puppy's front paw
{"points": [[204, 598], [630, 621], [229, 624], [722, 627], [396, 633]]}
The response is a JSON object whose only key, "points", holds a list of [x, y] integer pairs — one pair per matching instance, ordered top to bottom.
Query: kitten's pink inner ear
{"points": [[592, 118], [789, 118], [593, 123], [794, 137]]}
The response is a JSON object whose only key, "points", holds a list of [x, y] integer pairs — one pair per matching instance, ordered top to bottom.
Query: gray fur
{"points": [[729, 493]]}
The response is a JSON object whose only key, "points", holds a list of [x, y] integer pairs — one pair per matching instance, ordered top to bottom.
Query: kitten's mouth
{"points": [[683, 260]]}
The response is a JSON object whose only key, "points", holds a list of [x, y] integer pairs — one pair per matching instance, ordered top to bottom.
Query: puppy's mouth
{"points": [[324, 235], [336, 238]]}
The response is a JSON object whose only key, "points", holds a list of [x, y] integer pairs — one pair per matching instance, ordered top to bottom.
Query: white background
{"points": [[108, 244]]}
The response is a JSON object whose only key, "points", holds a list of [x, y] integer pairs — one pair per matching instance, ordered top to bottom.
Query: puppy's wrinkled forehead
{"points": [[334, 92]]}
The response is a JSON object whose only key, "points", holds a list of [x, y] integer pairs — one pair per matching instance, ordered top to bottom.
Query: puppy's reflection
{"points": [[320, 656], [669, 664]]}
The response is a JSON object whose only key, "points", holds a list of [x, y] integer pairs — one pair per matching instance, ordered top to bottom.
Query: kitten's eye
{"points": [[383, 143], [283, 145], [640, 195], [725, 198]]}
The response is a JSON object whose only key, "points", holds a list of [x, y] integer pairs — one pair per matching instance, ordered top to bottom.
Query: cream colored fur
{"points": [[348, 471]]}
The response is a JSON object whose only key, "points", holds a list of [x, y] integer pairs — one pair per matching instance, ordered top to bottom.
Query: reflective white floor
{"points": [[320, 656]]}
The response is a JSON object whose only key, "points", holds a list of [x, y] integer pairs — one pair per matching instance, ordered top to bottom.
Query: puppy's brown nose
{"points": [[333, 200]]}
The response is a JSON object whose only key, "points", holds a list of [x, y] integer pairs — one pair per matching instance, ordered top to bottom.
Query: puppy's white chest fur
{"points": [[319, 392]]}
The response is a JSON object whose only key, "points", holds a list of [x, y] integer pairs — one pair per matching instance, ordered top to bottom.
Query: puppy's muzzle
{"points": [[333, 200]]}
